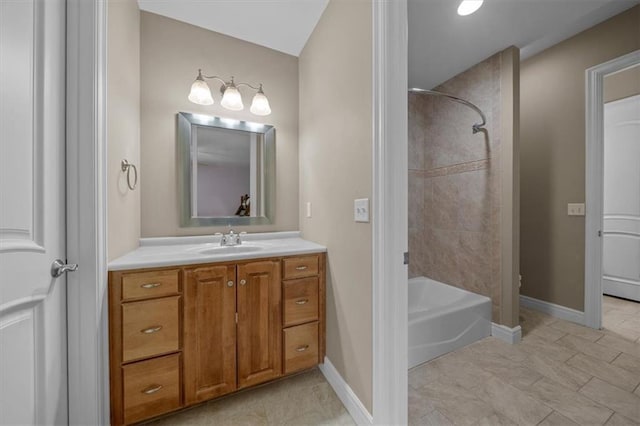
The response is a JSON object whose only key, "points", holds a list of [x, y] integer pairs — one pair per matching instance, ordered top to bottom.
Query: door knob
{"points": [[58, 267]]}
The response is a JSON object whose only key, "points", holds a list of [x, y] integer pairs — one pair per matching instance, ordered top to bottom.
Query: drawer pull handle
{"points": [[301, 268], [151, 285], [302, 301], [151, 330], [302, 348], [152, 389]]}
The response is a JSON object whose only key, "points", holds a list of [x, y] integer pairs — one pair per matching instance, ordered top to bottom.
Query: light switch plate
{"points": [[575, 209], [361, 210]]}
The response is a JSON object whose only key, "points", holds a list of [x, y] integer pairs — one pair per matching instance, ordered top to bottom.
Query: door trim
{"points": [[594, 182], [390, 212], [86, 213]]}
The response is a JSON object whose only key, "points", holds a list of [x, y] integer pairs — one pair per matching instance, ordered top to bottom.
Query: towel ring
{"points": [[126, 167]]}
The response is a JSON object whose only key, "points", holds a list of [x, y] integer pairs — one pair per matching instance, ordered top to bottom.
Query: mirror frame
{"points": [[185, 122]]}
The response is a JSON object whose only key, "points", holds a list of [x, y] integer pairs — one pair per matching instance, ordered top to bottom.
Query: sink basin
{"points": [[229, 249]]}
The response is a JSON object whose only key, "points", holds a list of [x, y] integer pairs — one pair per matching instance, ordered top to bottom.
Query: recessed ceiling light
{"points": [[467, 7]]}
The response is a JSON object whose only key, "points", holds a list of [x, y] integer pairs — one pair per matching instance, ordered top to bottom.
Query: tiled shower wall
{"points": [[454, 184]]}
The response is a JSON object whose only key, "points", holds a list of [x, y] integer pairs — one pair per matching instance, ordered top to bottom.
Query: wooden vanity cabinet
{"points": [[304, 312], [259, 322], [232, 328], [209, 332], [180, 336], [145, 344]]}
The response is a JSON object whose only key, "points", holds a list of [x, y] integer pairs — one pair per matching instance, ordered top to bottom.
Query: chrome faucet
{"points": [[230, 239]]}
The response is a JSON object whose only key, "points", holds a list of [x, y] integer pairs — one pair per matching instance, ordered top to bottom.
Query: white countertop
{"points": [[175, 251]]}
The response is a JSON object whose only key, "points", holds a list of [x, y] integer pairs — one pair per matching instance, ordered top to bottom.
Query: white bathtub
{"points": [[443, 318]]}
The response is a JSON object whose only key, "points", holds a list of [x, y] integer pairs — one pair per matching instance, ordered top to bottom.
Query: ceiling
{"points": [[283, 25], [443, 44]]}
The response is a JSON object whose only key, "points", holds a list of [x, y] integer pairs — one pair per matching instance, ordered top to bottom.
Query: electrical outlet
{"points": [[575, 209], [361, 210]]}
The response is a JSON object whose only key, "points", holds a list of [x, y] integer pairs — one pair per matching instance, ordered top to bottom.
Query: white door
{"points": [[621, 233], [33, 336]]}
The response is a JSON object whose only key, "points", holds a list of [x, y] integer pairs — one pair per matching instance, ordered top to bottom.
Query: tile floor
{"points": [[560, 374], [305, 399]]}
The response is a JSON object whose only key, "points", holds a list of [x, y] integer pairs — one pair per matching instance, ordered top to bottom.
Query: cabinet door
{"points": [[259, 322], [209, 332]]}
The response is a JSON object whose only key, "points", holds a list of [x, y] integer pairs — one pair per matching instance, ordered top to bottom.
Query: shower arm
{"points": [[476, 127]]}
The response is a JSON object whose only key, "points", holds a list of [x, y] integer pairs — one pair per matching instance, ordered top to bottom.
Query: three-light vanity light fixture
{"points": [[231, 99]]}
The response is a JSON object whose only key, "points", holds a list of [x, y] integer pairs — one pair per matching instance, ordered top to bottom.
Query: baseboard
{"points": [[552, 309], [509, 335], [349, 399]]}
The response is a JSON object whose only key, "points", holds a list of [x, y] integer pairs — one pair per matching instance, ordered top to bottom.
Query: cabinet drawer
{"points": [[299, 267], [142, 285], [300, 301], [150, 327], [300, 347], [151, 388]]}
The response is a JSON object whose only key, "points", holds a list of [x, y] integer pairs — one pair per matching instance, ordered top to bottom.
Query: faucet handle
{"points": [[239, 237]]}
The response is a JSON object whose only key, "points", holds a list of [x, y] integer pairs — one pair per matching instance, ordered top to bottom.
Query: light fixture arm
{"points": [[228, 83], [259, 88]]}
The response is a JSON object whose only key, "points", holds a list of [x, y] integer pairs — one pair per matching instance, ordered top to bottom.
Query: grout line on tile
{"points": [[561, 337], [571, 357], [613, 360], [588, 381], [545, 417], [609, 418]]}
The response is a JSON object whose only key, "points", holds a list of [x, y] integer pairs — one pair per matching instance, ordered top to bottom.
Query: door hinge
{"points": [[599, 233], [406, 257]]}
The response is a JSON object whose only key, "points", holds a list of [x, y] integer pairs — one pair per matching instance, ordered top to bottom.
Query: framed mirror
{"points": [[226, 171]]}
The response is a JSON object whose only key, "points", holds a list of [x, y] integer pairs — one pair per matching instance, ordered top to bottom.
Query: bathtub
{"points": [[443, 318]]}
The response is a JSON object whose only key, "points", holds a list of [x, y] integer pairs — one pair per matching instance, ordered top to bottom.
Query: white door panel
{"points": [[621, 222], [33, 384]]}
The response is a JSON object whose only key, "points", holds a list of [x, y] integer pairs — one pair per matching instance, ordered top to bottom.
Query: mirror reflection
{"points": [[227, 170]]}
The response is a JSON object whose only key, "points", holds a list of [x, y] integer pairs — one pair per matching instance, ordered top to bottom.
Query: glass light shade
{"points": [[467, 7], [200, 93], [232, 99], [260, 104]]}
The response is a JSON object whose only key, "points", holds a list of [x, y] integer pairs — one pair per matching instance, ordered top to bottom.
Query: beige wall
{"points": [[171, 53], [622, 85], [123, 124], [553, 156], [335, 168], [460, 184], [510, 185]]}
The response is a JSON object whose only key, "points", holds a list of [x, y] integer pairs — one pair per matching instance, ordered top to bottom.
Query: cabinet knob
{"points": [[243, 282], [229, 283], [152, 389]]}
